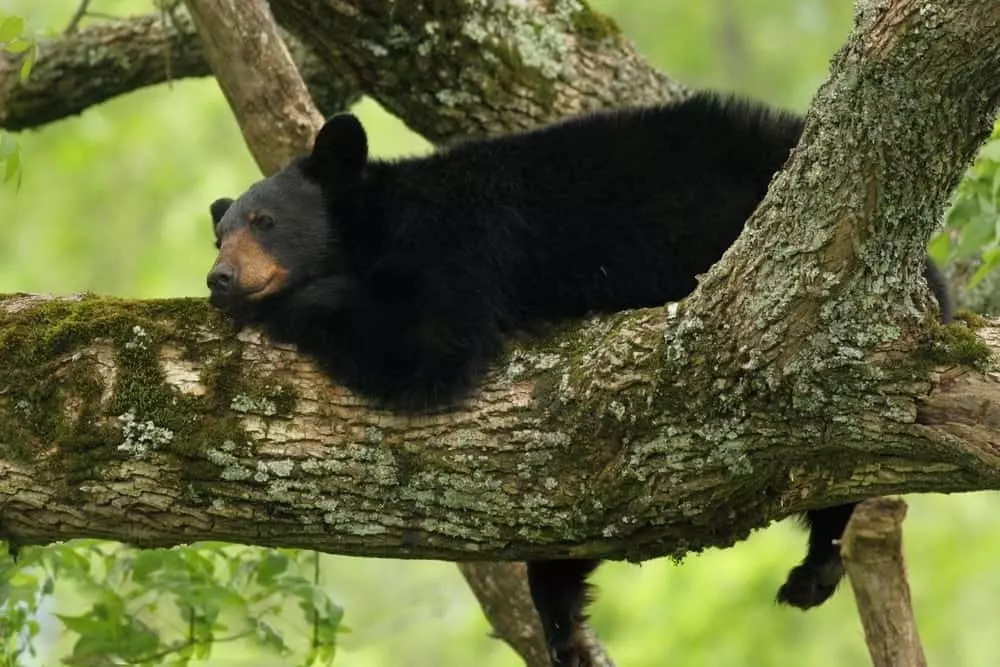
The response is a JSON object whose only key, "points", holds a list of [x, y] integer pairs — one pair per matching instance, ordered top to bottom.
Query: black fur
{"points": [[405, 276]]}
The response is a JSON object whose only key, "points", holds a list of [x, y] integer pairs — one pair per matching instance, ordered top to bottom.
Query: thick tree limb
{"points": [[90, 66], [459, 67], [444, 85], [146, 422], [873, 556]]}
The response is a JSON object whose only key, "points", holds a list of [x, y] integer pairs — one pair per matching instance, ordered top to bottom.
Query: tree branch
{"points": [[91, 66], [465, 68], [258, 78], [444, 85], [147, 422], [873, 556], [502, 591]]}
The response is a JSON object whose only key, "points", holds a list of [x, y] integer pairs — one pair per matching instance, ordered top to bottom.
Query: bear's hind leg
{"points": [[814, 581], [559, 592]]}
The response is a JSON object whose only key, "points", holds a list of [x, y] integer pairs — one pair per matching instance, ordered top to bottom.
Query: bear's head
{"points": [[283, 233]]}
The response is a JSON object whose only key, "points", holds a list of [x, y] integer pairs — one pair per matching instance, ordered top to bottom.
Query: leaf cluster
{"points": [[15, 40], [972, 224], [174, 605]]}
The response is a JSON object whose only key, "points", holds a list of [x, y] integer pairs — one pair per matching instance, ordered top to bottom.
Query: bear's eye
{"points": [[262, 221]]}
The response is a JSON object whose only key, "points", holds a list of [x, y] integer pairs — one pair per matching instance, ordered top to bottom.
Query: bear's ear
{"points": [[340, 150], [219, 208]]}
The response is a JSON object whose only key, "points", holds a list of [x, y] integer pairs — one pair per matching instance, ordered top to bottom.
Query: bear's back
{"points": [[602, 212]]}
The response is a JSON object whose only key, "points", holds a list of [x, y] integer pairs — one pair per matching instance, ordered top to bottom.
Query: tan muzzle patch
{"points": [[257, 273]]}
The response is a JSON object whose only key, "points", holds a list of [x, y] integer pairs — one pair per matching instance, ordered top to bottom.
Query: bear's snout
{"points": [[221, 279]]}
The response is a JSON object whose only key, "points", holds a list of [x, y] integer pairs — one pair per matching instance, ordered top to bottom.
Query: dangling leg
{"points": [[814, 581], [559, 591]]}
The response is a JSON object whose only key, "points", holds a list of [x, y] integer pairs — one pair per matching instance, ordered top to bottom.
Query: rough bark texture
{"points": [[91, 66], [475, 67], [258, 78], [458, 79], [815, 306], [148, 422], [873, 555]]}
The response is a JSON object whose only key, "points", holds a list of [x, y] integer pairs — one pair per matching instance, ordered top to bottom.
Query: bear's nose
{"points": [[220, 278]]}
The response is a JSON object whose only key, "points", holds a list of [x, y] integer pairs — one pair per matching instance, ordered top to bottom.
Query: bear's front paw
{"points": [[809, 586]]}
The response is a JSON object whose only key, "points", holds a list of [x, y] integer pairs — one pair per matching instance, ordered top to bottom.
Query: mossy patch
{"points": [[594, 25], [971, 319], [956, 343], [50, 395]]}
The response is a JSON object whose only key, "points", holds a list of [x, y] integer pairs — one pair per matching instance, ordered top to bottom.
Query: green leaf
{"points": [[11, 28], [18, 46], [28, 63], [8, 146], [13, 166], [978, 232], [939, 248], [991, 258], [148, 563], [271, 567], [84, 625], [270, 638]]}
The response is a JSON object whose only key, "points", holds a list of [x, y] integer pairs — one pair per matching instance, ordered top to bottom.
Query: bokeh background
{"points": [[116, 202]]}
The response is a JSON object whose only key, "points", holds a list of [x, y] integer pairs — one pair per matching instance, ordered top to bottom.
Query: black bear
{"points": [[401, 278]]}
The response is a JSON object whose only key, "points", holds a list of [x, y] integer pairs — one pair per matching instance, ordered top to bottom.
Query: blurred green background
{"points": [[115, 202]]}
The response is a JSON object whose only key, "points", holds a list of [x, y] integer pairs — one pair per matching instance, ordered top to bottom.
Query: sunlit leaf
{"points": [[11, 28], [18, 46], [28, 63], [8, 146], [976, 233], [939, 248], [990, 260], [271, 567]]}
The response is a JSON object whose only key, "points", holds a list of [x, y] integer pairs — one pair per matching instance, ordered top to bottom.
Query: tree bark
{"points": [[598, 67], [258, 78], [873, 557], [502, 591]]}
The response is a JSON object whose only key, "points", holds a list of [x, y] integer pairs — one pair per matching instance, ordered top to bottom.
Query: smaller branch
{"points": [[81, 11], [102, 61], [258, 77], [872, 549], [502, 591]]}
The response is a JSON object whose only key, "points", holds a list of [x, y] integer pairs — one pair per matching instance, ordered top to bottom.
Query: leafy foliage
{"points": [[13, 40], [972, 224], [209, 594]]}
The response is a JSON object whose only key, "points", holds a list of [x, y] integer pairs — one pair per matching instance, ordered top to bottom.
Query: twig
{"points": [[78, 15], [872, 550]]}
